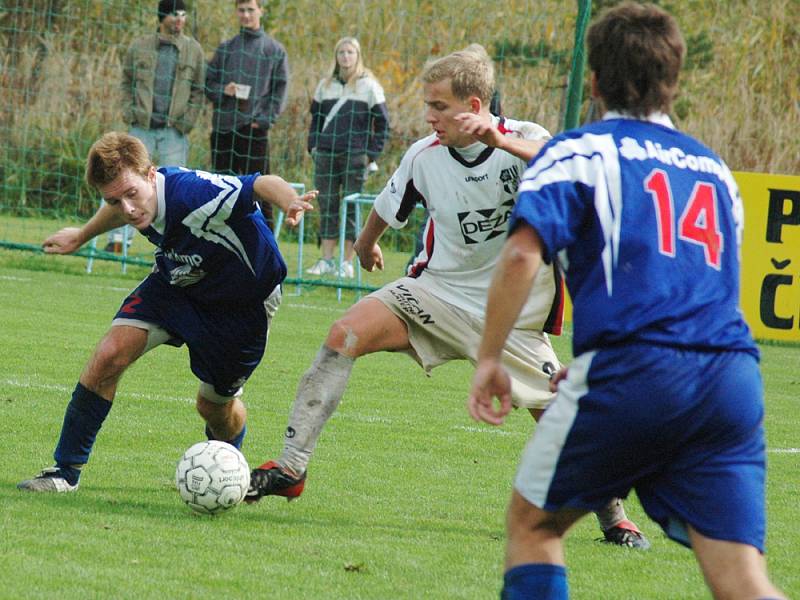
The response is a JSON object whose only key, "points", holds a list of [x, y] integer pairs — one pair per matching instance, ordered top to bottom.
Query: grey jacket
{"points": [[251, 58], [138, 75]]}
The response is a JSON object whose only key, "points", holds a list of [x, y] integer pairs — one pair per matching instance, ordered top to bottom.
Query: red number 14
{"points": [[697, 225]]}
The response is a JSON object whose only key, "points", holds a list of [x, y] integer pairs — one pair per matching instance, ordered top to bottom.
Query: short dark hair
{"points": [[636, 52]]}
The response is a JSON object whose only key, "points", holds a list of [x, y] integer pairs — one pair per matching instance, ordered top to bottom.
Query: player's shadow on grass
{"points": [[344, 524]]}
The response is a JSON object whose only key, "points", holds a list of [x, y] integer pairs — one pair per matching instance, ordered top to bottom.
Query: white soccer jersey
{"points": [[469, 193]]}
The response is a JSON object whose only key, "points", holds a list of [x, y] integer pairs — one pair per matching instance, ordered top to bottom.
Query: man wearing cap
{"points": [[247, 83], [162, 86], [162, 91]]}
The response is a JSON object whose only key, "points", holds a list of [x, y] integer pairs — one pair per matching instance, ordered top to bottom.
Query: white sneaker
{"points": [[324, 266], [346, 271], [49, 480]]}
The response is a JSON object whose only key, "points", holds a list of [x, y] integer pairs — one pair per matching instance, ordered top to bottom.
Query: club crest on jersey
{"points": [[510, 179], [485, 224], [185, 275]]}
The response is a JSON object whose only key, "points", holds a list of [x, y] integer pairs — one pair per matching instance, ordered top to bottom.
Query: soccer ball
{"points": [[212, 477]]}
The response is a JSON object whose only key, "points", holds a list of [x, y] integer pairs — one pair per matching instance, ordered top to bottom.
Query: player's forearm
{"points": [[520, 147], [275, 190], [105, 219], [373, 230], [511, 284]]}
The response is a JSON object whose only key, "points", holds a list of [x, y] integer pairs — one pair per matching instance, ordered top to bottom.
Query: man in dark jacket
{"points": [[247, 82]]}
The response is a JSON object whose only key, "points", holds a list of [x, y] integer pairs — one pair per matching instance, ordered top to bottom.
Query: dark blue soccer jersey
{"points": [[647, 223], [212, 238]]}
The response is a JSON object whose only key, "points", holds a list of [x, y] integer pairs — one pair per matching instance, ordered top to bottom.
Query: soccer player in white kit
{"points": [[466, 174]]}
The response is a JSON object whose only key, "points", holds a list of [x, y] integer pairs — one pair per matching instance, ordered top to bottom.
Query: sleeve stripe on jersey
{"points": [[501, 126], [572, 161], [411, 197], [418, 268], [555, 319]]}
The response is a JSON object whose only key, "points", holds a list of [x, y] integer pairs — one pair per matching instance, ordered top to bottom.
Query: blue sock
{"points": [[85, 414], [236, 442], [535, 580]]}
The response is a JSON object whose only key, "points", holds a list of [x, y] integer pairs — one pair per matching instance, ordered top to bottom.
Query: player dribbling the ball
{"points": [[215, 288]]}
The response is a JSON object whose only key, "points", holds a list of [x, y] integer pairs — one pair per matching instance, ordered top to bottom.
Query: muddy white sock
{"points": [[320, 390], [611, 514]]}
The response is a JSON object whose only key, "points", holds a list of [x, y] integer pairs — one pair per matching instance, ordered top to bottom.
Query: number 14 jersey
{"points": [[647, 223]]}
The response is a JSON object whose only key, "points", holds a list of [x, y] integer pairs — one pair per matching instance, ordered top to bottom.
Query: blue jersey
{"points": [[647, 224], [212, 239]]}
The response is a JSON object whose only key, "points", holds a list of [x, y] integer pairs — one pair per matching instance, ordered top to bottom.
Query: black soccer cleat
{"points": [[270, 480], [625, 534]]}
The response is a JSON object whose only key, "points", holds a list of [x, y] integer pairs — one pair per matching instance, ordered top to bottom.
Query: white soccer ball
{"points": [[212, 477]]}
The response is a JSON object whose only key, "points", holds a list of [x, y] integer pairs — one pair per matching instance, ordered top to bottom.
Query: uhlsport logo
{"points": [[476, 178], [485, 224]]}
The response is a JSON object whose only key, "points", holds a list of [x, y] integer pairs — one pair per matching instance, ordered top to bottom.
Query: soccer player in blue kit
{"points": [[215, 287], [664, 395]]}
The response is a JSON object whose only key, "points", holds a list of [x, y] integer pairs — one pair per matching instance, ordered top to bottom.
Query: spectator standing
{"points": [[247, 83], [162, 90], [349, 127]]}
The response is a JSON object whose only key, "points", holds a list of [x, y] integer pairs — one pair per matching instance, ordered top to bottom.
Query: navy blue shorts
{"points": [[225, 344], [682, 428]]}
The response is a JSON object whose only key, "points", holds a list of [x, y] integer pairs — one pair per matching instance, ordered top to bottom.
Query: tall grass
{"points": [[60, 77]]}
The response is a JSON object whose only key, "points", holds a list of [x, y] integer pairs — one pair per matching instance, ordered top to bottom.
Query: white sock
{"points": [[318, 394], [611, 514]]}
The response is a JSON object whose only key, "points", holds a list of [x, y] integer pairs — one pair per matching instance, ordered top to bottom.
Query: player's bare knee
{"points": [[343, 339], [110, 359], [211, 405]]}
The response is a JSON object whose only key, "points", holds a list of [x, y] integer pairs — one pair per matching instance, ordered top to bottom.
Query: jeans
{"points": [[167, 146]]}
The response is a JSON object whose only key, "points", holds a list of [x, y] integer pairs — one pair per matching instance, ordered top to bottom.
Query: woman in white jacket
{"points": [[349, 127]]}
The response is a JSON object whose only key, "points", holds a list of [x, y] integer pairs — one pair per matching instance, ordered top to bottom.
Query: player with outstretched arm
{"points": [[465, 173], [215, 288], [664, 395]]}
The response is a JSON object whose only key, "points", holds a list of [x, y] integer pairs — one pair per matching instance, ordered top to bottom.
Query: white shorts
{"points": [[440, 332]]}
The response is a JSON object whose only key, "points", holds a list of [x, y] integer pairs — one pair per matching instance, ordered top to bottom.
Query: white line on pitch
{"points": [[312, 306], [68, 390], [493, 431]]}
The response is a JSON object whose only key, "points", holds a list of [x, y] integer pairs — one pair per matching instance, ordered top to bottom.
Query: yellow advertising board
{"points": [[770, 280], [770, 294]]}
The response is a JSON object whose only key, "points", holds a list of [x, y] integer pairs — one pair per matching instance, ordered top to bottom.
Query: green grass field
{"points": [[405, 498]]}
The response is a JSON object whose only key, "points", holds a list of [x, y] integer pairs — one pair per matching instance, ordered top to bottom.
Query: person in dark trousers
{"points": [[247, 82], [349, 127]]}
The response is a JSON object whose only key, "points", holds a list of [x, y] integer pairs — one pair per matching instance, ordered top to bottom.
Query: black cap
{"points": [[165, 7]]}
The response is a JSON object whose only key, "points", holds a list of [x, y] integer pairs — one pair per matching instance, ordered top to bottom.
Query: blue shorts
{"points": [[225, 344], [682, 428]]}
